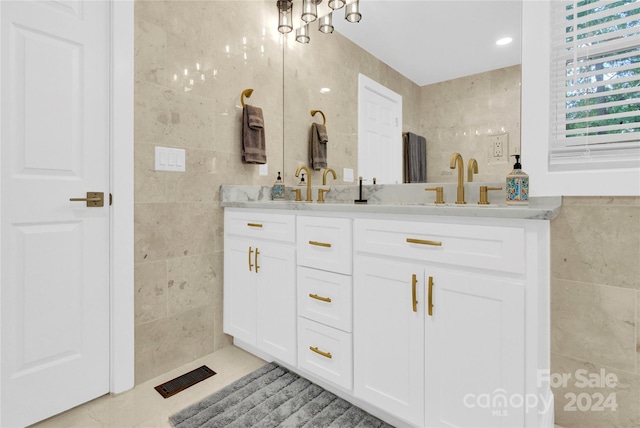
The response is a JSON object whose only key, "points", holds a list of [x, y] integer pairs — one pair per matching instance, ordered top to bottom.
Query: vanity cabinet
{"points": [[259, 282], [324, 285], [443, 304], [424, 321]]}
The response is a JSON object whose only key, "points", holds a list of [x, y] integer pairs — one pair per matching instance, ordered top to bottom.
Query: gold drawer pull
{"points": [[254, 224], [424, 242], [320, 244], [324, 299], [414, 300], [430, 303], [317, 351]]}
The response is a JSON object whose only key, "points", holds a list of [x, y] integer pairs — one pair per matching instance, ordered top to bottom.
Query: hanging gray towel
{"points": [[318, 146], [254, 148], [415, 158]]}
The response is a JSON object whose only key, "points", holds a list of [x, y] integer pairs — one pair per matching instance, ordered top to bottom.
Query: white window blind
{"points": [[595, 84]]}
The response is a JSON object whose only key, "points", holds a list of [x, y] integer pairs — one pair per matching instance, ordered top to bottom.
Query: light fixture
{"points": [[309, 10], [352, 12], [310, 14], [284, 16], [325, 25], [302, 34], [504, 41]]}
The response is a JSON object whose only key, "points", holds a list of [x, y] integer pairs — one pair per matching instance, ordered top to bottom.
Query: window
{"points": [[595, 85]]}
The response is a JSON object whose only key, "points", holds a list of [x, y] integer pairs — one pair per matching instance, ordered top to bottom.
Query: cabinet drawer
{"points": [[277, 227], [324, 243], [485, 247], [325, 297], [325, 352]]}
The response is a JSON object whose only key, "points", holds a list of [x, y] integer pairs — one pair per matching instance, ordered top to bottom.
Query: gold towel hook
{"points": [[246, 93], [324, 119]]}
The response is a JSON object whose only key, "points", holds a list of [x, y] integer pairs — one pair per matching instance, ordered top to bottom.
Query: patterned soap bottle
{"points": [[517, 185], [277, 191]]}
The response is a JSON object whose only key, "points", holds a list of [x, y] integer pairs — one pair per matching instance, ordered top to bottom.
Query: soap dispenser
{"points": [[517, 185], [277, 191]]}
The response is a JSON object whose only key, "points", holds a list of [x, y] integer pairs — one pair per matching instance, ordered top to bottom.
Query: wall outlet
{"points": [[498, 148], [263, 169]]}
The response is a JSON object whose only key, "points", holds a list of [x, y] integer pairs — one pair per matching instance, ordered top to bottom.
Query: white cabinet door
{"points": [[240, 289], [276, 300], [389, 337], [474, 351]]}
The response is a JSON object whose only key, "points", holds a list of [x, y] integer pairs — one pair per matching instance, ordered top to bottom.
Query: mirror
{"points": [[452, 93]]}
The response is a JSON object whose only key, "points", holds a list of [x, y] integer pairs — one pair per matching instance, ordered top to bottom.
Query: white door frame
{"points": [[122, 168], [121, 377]]}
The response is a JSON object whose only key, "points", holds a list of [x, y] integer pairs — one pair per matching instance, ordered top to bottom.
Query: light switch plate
{"points": [[169, 159], [263, 169], [347, 175]]}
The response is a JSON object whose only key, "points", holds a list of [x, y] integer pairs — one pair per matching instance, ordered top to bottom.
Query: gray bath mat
{"points": [[272, 396]]}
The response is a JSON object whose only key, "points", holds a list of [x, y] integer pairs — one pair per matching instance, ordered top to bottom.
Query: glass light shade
{"points": [[336, 4], [309, 10], [352, 12], [285, 22], [325, 24], [302, 34]]}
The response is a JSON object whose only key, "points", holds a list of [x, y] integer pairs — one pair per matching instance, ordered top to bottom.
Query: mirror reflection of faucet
{"points": [[456, 161], [308, 182], [322, 192]]}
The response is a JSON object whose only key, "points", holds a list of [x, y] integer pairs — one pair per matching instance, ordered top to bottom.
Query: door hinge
{"points": [[110, 199]]}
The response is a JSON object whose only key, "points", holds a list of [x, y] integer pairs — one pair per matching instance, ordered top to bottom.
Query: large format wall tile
{"points": [[596, 243], [190, 282], [150, 291], [594, 323], [167, 343], [579, 405]]}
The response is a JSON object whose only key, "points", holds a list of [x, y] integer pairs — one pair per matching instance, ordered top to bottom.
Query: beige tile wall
{"points": [[459, 115], [178, 222], [595, 310]]}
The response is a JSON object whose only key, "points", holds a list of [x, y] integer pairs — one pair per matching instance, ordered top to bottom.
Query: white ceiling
{"points": [[431, 41]]}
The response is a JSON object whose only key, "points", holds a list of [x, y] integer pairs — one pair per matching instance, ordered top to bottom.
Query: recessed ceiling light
{"points": [[504, 41], [325, 90]]}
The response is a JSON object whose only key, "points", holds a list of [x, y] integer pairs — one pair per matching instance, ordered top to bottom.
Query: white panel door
{"points": [[379, 132], [55, 253], [388, 335], [474, 351]]}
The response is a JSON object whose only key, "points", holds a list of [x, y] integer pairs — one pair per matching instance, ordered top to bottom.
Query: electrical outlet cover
{"points": [[498, 148]]}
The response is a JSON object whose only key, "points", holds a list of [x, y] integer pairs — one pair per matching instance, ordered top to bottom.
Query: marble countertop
{"points": [[258, 197]]}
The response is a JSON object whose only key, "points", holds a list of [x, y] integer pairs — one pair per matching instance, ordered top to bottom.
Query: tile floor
{"points": [[144, 407]]}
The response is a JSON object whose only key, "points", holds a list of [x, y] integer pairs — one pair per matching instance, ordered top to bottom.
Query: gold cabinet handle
{"points": [[93, 199], [254, 224], [424, 242], [320, 244], [250, 253], [257, 266], [323, 299], [414, 300], [430, 303], [319, 352]]}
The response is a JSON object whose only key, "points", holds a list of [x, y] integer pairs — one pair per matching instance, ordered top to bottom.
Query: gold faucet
{"points": [[456, 160], [304, 167], [472, 167], [324, 175], [322, 192]]}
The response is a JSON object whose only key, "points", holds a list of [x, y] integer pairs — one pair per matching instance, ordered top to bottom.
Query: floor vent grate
{"points": [[184, 381]]}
